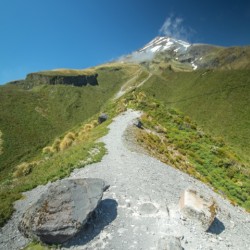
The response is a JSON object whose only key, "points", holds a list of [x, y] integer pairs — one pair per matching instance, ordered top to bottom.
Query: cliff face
{"points": [[75, 80]]}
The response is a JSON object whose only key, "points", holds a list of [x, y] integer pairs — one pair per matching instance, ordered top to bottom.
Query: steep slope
{"points": [[217, 100], [35, 111]]}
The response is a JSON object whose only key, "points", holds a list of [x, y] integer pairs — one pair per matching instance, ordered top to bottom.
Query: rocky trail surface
{"points": [[140, 208]]}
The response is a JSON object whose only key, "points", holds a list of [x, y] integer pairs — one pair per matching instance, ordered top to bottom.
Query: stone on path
{"points": [[102, 118], [138, 123], [198, 207], [63, 210], [169, 243]]}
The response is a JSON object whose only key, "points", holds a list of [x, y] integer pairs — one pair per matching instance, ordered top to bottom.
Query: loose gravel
{"points": [[141, 205]]}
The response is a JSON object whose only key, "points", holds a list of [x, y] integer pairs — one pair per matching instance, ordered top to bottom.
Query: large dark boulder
{"points": [[63, 210]]}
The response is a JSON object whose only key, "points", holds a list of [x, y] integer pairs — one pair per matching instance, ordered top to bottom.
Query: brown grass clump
{"points": [[141, 96], [121, 106], [94, 123], [87, 127], [70, 135], [83, 136], [65, 143], [56, 145], [158, 146], [48, 150], [24, 169]]}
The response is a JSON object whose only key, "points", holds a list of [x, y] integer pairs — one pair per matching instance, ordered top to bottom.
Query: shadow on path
{"points": [[104, 214], [217, 227]]}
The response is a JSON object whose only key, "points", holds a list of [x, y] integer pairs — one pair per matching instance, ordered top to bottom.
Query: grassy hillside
{"points": [[217, 100], [54, 116], [30, 119], [177, 140], [210, 140]]}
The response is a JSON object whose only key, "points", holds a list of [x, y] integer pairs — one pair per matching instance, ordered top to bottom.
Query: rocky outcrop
{"points": [[52, 79], [198, 207], [61, 212]]}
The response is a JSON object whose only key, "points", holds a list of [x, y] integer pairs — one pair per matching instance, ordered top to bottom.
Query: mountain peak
{"points": [[162, 43], [169, 46]]}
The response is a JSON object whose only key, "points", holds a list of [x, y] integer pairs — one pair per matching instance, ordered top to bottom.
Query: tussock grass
{"points": [[217, 100], [87, 127], [177, 140], [65, 143], [56, 145], [48, 150], [56, 165], [24, 169]]}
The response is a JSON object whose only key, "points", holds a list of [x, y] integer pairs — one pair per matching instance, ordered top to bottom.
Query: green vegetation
{"points": [[217, 100], [31, 119], [49, 130], [175, 139], [1, 142], [51, 166], [38, 246]]}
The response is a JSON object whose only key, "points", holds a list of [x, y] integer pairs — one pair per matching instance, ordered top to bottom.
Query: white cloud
{"points": [[174, 27], [138, 57]]}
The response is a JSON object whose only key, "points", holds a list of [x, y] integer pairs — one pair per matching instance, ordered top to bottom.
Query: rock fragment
{"points": [[102, 118], [138, 123], [198, 207], [63, 210]]}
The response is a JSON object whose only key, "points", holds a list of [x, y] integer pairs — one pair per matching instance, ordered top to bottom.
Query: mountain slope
{"points": [[166, 52], [204, 82], [208, 83], [217, 100], [33, 113], [141, 206]]}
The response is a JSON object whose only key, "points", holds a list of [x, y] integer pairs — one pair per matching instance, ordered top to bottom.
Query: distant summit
{"points": [[162, 43], [170, 53]]}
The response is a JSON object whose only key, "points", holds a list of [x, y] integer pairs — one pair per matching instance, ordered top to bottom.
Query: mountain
{"points": [[163, 52], [213, 78], [195, 99]]}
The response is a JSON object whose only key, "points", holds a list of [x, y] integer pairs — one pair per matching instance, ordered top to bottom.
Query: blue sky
{"points": [[47, 34]]}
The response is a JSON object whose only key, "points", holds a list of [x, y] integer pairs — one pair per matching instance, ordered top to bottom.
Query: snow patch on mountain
{"points": [[160, 44], [168, 47], [194, 66]]}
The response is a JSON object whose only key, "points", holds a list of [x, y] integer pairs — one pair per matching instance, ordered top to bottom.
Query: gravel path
{"points": [[140, 207]]}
